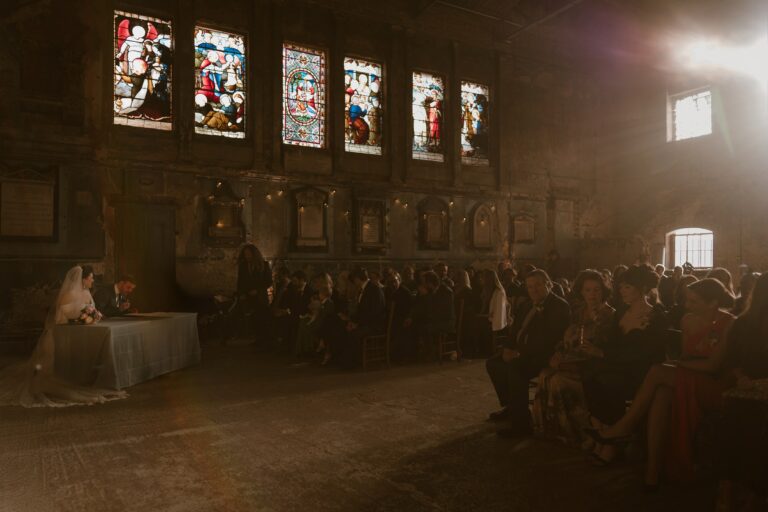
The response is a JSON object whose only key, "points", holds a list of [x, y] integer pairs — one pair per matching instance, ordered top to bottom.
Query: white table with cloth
{"points": [[120, 352]]}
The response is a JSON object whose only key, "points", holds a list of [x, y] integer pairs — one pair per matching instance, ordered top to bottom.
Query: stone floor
{"points": [[250, 432]]}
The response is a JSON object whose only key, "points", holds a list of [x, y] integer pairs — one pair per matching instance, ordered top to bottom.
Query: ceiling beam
{"points": [[486, 15], [544, 19]]}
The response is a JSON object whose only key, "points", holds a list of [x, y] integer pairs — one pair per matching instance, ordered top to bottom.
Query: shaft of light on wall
{"points": [[750, 60]]}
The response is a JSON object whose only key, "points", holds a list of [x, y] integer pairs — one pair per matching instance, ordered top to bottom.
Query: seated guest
{"points": [[441, 269], [722, 275], [376, 278], [409, 278], [509, 282], [746, 285], [667, 287], [113, 300], [400, 300], [616, 302], [294, 303], [320, 305], [467, 305], [433, 311], [678, 311], [369, 318], [328, 326], [538, 326], [636, 343], [687, 389], [560, 409], [741, 437]]}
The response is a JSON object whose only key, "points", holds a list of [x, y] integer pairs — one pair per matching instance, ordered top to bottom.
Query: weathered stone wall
{"points": [[56, 98], [717, 182]]}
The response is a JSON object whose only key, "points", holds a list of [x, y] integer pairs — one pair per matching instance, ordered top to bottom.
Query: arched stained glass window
{"points": [[143, 54], [220, 94], [303, 96], [363, 106], [427, 112], [474, 123]]}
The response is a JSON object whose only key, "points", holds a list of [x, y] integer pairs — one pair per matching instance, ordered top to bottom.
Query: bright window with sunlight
{"points": [[690, 115], [692, 245]]}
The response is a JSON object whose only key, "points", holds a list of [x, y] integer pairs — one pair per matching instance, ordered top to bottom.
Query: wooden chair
{"points": [[447, 344], [376, 348]]}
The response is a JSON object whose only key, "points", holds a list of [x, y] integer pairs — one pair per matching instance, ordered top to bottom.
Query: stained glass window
{"points": [[143, 54], [219, 83], [303, 96], [363, 106], [427, 113], [474, 123]]}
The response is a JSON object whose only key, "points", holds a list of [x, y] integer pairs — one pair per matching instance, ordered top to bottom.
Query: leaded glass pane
{"points": [[143, 59], [220, 94], [303, 96], [363, 106], [427, 112], [474, 123]]}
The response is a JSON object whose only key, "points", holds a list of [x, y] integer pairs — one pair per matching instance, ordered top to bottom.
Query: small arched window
{"points": [[691, 245]]}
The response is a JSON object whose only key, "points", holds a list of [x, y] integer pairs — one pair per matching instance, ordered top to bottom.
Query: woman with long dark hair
{"points": [[254, 278], [635, 343], [675, 395]]}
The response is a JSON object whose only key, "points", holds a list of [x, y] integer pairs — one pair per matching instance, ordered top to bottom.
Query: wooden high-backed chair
{"points": [[447, 344], [376, 348]]}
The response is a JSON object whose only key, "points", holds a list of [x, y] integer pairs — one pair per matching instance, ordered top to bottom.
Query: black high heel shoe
{"points": [[612, 441]]}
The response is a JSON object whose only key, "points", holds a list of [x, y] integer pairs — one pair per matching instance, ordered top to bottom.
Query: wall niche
{"points": [[310, 223], [434, 224]]}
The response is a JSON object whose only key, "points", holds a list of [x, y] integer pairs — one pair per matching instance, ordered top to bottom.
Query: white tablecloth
{"points": [[120, 352]]}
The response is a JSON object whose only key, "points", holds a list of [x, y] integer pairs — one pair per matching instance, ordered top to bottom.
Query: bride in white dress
{"points": [[33, 383]]}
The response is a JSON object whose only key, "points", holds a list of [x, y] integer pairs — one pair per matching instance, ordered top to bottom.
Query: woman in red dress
{"points": [[675, 395]]}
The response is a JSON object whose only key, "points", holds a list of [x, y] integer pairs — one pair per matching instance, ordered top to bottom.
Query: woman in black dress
{"points": [[254, 278], [637, 341]]}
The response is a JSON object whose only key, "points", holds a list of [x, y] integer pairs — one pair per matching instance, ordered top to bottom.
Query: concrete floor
{"points": [[250, 432]]}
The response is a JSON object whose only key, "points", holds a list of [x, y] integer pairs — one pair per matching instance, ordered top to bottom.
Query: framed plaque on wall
{"points": [[29, 205], [310, 223], [433, 224], [370, 225]]}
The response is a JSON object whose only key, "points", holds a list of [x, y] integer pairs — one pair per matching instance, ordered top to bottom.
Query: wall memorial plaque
{"points": [[28, 209], [310, 223], [433, 224], [483, 227], [371, 228], [524, 229]]}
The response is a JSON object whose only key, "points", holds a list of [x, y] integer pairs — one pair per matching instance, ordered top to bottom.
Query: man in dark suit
{"points": [[113, 299], [400, 299], [295, 302], [434, 312], [369, 319], [538, 327]]}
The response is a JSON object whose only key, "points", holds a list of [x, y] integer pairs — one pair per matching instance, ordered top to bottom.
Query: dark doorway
{"points": [[145, 246]]}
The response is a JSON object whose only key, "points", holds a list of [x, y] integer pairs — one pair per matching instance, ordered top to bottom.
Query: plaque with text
{"points": [[28, 209], [371, 229], [524, 230], [310, 231]]}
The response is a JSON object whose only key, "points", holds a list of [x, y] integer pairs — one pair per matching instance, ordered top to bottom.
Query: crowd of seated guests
{"points": [[642, 353], [616, 356]]}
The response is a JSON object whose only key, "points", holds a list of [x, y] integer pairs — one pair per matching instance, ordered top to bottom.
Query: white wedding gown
{"points": [[33, 383]]}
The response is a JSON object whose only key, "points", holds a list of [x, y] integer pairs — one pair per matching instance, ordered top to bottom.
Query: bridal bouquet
{"points": [[88, 315]]}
